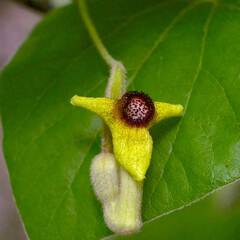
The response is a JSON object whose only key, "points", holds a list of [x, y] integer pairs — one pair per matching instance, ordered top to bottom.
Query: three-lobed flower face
{"points": [[129, 119]]}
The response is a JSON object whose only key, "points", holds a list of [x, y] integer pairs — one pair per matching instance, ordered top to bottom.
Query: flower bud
{"points": [[104, 176], [119, 194], [123, 213]]}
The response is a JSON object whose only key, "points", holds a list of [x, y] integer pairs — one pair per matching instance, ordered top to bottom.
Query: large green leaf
{"points": [[176, 51]]}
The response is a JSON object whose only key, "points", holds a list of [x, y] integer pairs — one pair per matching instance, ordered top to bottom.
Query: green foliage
{"points": [[176, 52]]}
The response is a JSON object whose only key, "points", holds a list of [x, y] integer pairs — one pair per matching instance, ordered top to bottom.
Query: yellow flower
{"points": [[129, 119]]}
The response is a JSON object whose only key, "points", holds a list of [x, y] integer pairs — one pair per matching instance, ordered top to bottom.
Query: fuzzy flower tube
{"points": [[118, 171], [117, 177]]}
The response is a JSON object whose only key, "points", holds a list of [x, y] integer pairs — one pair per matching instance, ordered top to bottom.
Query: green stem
{"points": [[94, 34]]}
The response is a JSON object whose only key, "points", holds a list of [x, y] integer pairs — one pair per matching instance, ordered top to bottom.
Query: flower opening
{"points": [[136, 108]]}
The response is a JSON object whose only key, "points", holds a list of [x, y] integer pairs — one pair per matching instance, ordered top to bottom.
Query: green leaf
{"points": [[177, 52]]}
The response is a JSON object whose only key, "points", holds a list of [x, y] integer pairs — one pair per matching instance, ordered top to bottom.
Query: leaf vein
{"points": [[160, 39], [198, 70], [224, 93]]}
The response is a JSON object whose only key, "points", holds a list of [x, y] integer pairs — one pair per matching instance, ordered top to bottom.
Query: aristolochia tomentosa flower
{"points": [[129, 119]]}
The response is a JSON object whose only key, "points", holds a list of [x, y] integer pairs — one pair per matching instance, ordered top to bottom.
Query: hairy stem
{"points": [[94, 34]]}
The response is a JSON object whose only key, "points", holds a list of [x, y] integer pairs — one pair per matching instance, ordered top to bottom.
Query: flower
{"points": [[129, 120]]}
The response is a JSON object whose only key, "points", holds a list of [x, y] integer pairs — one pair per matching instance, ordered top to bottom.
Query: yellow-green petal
{"points": [[101, 106], [166, 110], [132, 148]]}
